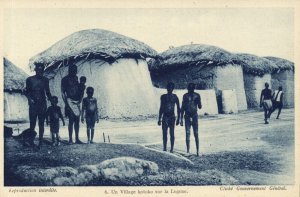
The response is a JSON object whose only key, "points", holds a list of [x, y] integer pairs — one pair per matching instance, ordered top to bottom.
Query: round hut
{"points": [[114, 65], [209, 67], [257, 71], [284, 76], [15, 102]]}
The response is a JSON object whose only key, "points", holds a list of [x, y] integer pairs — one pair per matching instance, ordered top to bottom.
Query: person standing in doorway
{"points": [[37, 88], [71, 95], [277, 101], [191, 102], [266, 102], [167, 117]]}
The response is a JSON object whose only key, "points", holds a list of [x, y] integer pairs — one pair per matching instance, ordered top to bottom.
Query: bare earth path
{"points": [[238, 144]]}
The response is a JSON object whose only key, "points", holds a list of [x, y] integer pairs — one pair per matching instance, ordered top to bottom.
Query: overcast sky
{"points": [[259, 31]]}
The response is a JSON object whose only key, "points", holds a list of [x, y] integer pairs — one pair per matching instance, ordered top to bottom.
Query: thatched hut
{"points": [[113, 64], [209, 67], [257, 71], [284, 76], [15, 102]]}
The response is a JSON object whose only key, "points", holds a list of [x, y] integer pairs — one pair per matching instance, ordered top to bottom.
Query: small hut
{"points": [[114, 65], [209, 67], [257, 71], [284, 76], [15, 102]]}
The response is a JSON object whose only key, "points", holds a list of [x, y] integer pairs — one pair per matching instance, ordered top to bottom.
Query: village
{"points": [[128, 78]]}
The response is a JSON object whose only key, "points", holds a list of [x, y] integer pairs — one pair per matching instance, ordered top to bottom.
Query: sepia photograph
{"points": [[201, 96]]}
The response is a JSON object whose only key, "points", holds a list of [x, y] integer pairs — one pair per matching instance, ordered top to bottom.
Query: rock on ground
{"points": [[127, 167], [113, 169]]}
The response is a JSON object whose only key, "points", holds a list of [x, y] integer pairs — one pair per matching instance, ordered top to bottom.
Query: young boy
{"points": [[90, 113], [54, 114]]}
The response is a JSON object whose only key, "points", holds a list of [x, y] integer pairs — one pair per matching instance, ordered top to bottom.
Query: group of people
{"points": [[72, 90], [191, 102], [270, 102]]}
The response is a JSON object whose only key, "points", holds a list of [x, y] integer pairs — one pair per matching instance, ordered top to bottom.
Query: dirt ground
{"points": [[238, 146]]}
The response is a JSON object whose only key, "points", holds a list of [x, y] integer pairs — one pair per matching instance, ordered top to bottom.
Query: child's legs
{"points": [[90, 122], [92, 127]]}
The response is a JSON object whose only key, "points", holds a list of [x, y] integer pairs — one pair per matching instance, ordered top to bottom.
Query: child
{"points": [[82, 82], [54, 113], [90, 113]]}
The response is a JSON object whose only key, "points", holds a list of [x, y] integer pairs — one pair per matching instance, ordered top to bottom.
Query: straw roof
{"points": [[95, 43], [191, 55], [282, 64], [255, 65], [14, 77]]}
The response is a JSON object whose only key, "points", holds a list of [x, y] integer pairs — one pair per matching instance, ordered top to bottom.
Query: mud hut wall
{"points": [[181, 77], [230, 77], [286, 80], [253, 87], [123, 89], [208, 99], [229, 101], [15, 107]]}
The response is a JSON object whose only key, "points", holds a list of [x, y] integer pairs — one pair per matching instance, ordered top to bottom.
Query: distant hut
{"points": [[113, 64], [209, 67], [257, 71], [284, 76], [15, 102]]}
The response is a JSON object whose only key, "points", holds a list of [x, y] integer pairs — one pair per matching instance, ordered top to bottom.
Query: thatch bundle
{"points": [[95, 44], [191, 55], [282, 64], [255, 65], [14, 78]]}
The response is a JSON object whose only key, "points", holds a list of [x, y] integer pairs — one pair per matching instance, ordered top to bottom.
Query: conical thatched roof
{"points": [[93, 43], [191, 55], [282, 64], [255, 65], [14, 77]]}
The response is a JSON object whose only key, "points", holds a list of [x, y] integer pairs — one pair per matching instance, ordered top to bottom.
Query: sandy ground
{"points": [[238, 144]]}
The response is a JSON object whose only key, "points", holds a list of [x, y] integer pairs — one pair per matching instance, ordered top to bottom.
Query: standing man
{"points": [[37, 88], [71, 95], [277, 101], [266, 102], [190, 103], [166, 112]]}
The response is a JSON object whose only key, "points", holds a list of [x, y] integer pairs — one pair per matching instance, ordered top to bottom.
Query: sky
{"points": [[259, 31]]}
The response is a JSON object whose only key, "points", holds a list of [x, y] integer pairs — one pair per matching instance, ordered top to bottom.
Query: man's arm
{"points": [[28, 89], [47, 89], [63, 91], [261, 98], [199, 102], [160, 110], [178, 110], [83, 111], [182, 111], [97, 113], [47, 116], [61, 117]]}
